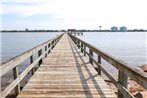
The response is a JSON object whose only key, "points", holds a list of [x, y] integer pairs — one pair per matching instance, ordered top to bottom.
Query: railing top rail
{"points": [[23, 56], [13, 64], [137, 75]]}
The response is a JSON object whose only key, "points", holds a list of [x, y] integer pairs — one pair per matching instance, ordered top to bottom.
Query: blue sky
{"points": [[79, 14]]}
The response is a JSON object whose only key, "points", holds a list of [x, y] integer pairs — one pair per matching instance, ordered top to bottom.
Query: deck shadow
{"points": [[89, 73]]}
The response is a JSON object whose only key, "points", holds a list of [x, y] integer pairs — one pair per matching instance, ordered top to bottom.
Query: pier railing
{"points": [[13, 64], [124, 70]]}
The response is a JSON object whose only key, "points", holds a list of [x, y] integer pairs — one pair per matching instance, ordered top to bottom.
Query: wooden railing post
{"points": [[74, 40], [52, 43], [78, 44], [82, 47], [49, 48], [84, 50], [45, 51], [39, 54], [91, 54], [31, 61], [99, 61], [13, 65], [124, 69], [15, 75], [123, 80]]}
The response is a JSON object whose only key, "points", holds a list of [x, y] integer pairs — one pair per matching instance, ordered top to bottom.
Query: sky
{"points": [[78, 14]]}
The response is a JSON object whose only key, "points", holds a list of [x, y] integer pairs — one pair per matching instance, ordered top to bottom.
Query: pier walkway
{"points": [[67, 67], [64, 74]]}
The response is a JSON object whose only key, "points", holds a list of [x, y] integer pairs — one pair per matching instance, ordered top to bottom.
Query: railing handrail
{"points": [[29, 50], [28, 53], [13, 64], [125, 70]]}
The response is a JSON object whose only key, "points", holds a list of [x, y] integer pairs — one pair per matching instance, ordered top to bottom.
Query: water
{"points": [[15, 43], [127, 46]]}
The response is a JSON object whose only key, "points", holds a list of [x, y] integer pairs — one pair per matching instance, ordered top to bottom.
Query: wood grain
{"points": [[64, 74]]}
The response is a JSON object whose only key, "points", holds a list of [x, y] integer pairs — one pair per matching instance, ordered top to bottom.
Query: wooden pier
{"points": [[76, 33], [67, 69], [64, 74]]}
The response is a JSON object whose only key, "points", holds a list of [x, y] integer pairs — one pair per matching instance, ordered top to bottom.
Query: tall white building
{"points": [[114, 29], [123, 29]]}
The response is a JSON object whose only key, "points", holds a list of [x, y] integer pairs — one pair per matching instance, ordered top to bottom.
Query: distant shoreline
{"points": [[70, 31]]}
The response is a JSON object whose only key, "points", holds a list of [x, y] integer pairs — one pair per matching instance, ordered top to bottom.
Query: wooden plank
{"points": [[132, 72], [64, 74], [17, 78], [13, 84], [54, 86], [122, 89], [61, 95]]}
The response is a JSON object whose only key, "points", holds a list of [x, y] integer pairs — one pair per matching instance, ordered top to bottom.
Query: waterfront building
{"points": [[114, 29], [123, 29]]}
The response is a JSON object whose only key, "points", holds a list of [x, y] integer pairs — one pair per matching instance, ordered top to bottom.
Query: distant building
{"points": [[26, 29], [114, 29], [123, 29]]}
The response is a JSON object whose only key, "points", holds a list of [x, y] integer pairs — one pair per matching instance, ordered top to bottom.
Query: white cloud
{"points": [[25, 0], [107, 12]]}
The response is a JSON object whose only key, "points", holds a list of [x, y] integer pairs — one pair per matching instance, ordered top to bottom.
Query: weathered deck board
{"points": [[64, 74]]}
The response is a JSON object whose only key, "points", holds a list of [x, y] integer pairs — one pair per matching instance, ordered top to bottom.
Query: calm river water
{"points": [[14, 43], [127, 46]]}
